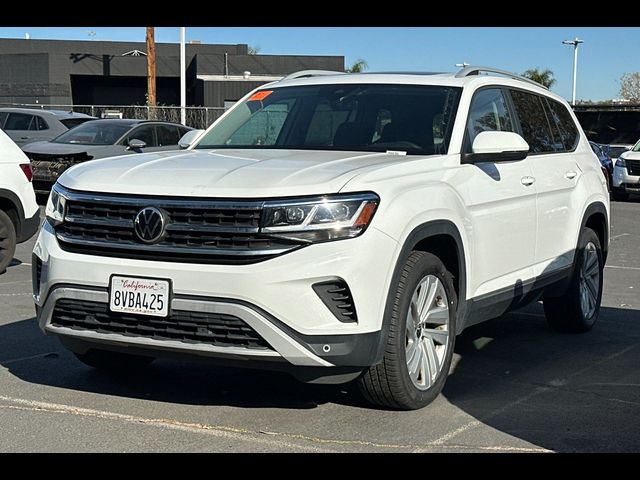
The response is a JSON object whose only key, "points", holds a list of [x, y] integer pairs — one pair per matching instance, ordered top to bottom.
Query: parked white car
{"points": [[626, 174], [19, 212], [336, 226]]}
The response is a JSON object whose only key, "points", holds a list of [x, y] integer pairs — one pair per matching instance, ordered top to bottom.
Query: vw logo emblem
{"points": [[149, 224]]}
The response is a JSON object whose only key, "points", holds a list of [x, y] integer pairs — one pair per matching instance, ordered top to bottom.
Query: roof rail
{"points": [[474, 70], [310, 73]]}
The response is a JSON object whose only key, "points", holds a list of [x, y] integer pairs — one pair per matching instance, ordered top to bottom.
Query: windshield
{"points": [[415, 119], [94, 133], [615, 152]]}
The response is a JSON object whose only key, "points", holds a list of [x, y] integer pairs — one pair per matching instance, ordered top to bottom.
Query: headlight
{"points": [[621, 163], [55, 208], [333, 217]]}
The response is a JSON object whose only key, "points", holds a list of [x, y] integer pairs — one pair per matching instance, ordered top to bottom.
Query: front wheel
{"points": [[577, 310], [420, 340]]}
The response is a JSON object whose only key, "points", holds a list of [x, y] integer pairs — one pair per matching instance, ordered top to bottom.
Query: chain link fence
{"points": [[196, 117]]}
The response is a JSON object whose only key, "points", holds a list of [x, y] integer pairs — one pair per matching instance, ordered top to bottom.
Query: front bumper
{"points": [[623, 181], [274, 297]]}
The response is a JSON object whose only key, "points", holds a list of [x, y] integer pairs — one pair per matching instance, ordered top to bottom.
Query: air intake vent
{"points": [[337, 297]]}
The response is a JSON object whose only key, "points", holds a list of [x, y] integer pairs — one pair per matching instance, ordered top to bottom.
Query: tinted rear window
{"points": [[73, 122], [536, 128]]}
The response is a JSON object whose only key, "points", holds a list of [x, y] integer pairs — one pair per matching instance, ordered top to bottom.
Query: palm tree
{"points": [[358, 66], [544, 78]]}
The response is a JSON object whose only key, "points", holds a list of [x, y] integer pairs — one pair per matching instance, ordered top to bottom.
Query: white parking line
{"points": [[622, 268]]}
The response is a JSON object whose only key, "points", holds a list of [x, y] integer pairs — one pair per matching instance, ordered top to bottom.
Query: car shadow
{"points": [[513, 374], [167, 380], [562, 392]]}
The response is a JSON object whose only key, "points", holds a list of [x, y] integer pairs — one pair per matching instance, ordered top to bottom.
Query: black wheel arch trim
{"points": [[598, 207], [423, 232]]}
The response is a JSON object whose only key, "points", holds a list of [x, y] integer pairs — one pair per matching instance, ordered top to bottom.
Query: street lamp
{"points": [[575, 44], [463, 64]]}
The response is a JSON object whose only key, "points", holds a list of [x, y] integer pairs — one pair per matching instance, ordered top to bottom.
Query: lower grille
{"points": [[633, 167], [189, 327]]}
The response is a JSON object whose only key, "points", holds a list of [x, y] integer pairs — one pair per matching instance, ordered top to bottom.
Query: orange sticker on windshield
{"points": [[261, 95]]}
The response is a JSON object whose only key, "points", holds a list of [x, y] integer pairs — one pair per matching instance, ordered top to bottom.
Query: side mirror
{"points": [[188, 138], [135, 144], [497, 147]]}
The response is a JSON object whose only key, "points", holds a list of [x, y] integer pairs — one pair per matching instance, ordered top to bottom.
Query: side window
{"points": [[488, 112], [3, 117], [18, 121], [533, 122], [41, 123], [182, 131], [568, 132], [144, 133], [167, 135]]}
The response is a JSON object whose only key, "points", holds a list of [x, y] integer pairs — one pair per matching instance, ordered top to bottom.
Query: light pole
{"points": [[575, 44], [463, 64], [183, 79]]}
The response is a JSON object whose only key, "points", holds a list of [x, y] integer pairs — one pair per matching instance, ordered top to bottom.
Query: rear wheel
{"points": [[7, 241], [577, 310], [421, 338], [113, 361]]}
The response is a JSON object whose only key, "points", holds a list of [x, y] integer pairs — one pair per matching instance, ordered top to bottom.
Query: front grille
{"points": [[48, 167], [633, 167], [197, 231], [189, 327]]}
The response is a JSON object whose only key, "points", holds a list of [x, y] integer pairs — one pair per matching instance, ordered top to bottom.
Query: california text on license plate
{"points": [[143, 296]]}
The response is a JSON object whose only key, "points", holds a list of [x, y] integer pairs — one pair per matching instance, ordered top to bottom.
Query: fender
{"points": [[421, 232]]}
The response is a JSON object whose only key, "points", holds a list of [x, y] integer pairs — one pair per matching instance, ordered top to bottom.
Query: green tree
{"points": [[251, 50], [358, 66], [544, 78], [630, 87]]}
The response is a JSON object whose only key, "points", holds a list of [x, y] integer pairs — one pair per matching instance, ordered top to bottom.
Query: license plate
{"points": [[142, 296]]}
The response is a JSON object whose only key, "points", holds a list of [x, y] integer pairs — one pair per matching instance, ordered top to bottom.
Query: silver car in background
{"points": [[27, 125], [98, 139]]}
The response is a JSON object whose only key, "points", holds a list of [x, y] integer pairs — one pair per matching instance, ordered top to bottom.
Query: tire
{"points": [[619, 195], [7, 241], [577, 310], [113, 361], [390, 384]]}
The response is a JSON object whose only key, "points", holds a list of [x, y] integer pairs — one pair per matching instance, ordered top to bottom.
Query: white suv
{"points": [[626, 173], [19, 212], [336, 226]]}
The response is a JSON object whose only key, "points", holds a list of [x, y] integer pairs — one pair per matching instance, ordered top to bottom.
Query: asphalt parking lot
{"points": [[515, 387]]}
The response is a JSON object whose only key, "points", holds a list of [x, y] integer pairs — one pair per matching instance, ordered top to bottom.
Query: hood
{"points": [[52, 148], [630, 155], [225, 173]]}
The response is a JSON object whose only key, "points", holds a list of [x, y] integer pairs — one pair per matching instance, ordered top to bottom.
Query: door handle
{"points": [[24, 138], [571, 175], [527, 181]]}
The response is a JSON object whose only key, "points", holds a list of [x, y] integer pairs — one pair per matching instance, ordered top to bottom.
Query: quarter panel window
{"points": [[488, 113], [3, 117], [40, 122], [568, 132]]}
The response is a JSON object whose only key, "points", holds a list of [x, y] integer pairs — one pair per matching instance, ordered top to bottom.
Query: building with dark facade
{"points": [[115, 73]]}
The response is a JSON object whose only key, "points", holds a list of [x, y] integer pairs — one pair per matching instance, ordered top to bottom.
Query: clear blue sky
{"points": [[606, 54]]}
